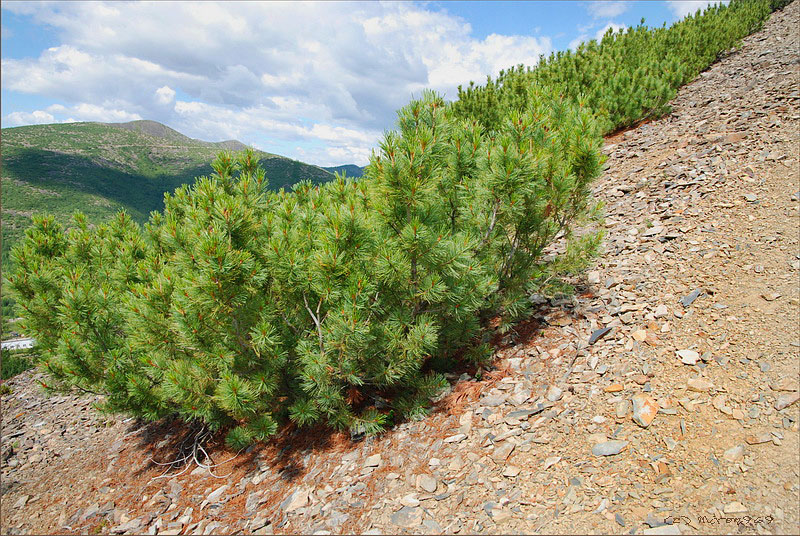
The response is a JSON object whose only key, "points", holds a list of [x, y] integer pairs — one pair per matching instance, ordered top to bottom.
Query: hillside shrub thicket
{"points": [[626, 76], [241, 307]]}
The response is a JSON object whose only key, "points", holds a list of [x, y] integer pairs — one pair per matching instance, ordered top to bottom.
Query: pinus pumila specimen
{"points": [[626, 76], [241, 308]]}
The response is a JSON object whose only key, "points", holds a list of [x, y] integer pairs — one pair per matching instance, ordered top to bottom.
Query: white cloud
{"points": [[681, 8], [606, 9], [612, 25], [575, 43], [346, 66], [165, 95], [93, 112], [37, 117]]}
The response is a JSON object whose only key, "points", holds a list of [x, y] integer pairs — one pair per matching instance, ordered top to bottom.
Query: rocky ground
{"points": [[661, 399]]}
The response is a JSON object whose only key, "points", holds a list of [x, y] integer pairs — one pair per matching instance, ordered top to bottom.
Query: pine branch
{"points": [[316, 322]]}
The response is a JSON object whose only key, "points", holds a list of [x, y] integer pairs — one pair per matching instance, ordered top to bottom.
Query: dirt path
{"points": [[704, 200]]}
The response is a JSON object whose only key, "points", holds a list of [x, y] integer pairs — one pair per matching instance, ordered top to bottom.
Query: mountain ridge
{"points": [[160, 130], [100, 168]]}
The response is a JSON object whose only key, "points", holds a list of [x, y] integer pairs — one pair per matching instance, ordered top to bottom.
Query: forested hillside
{"points": [[100, 168]]}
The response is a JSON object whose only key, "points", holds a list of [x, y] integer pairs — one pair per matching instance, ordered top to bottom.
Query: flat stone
{"points": [[735, 137], [653, 231], [687, 300], [599, 334], [639, 335], [688, 357], [784, 384], [701, 385], [613, 388], [554, 394], [519, 398], [786, 400], [492, 401], [719, 402], [622, 409], [645, 409], [522, 414], [763, 437], [458, 438], [609, 448], [502, 452], [734, 454], [373, 461], [551, 461], [511, 471], [428, 483], [215, 495], [296, 500], [410, 500], [21, 502], [251, 503], [602, 507], [734, 507], [500, 515], [407, 517], [654, 520], [129, 526]]}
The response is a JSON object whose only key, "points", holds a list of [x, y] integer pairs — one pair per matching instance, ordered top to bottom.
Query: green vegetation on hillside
{"points": [[627, 76], [102, 168], [351, 170], [341, 304], [12, 362]]}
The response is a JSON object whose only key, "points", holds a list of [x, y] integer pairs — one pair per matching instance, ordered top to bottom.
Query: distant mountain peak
{"points": [[160, 130]]}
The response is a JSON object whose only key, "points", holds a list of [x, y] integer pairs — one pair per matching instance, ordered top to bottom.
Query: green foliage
{"points": [[626, 76], [100, 169], [240, 307], [14, 362]]}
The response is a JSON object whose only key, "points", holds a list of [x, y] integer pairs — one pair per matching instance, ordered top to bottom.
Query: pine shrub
{"points": [[625, 76], [243, 308]]}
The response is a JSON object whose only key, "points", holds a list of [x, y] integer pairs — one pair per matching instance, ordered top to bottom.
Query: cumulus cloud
{"points": [[681, 8], [606, 9], [611, 25], [259, 71], [165, 95], [93, 112], [37, 117]]}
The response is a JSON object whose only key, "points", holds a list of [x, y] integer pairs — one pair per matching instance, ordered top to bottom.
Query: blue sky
{"points": [[317, 81]]}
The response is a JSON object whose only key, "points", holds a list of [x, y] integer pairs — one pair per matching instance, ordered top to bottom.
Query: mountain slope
{"points": [[100, 168], [351, 170]]}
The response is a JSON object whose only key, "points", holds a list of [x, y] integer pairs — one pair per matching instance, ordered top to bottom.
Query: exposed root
{"points": [[191, 451]]}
